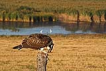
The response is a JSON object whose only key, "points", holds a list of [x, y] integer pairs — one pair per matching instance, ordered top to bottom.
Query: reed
{"points": [[26, 8], [76, 12], [99, 13], [90, 14], [105, 14], [3, 16], [10, 16], [44, 17]]}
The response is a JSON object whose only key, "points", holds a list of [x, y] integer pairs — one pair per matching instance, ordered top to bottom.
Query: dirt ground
{"points": [[70, 53]]}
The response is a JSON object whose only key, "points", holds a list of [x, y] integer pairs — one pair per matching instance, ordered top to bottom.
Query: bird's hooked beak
{"points": [[51, 48]]}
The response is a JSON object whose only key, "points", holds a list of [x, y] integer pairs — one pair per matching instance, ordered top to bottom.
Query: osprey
{"points": [[36, 41]]}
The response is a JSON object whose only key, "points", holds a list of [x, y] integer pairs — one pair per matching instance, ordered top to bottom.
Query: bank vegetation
{"points": [[53, 10]]}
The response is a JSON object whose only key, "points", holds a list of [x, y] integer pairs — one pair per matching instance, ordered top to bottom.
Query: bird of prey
{"points": [[36, 41]]}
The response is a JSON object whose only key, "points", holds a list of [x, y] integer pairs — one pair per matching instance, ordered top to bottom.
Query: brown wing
{"points": [[36, 41]]}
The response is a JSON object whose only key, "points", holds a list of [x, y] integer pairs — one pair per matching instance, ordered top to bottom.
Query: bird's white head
{"points": [[41, 31], [50, 31]]}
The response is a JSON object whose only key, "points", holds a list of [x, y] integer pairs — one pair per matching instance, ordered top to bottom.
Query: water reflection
{"points": [[89, 27], [19, 28]]}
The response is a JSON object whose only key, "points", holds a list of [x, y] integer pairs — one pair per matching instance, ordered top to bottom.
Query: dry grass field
{"points": [[50, 5], [70, 53]]}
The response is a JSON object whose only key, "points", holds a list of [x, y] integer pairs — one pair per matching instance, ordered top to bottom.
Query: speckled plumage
{"points": [[36, 41]]}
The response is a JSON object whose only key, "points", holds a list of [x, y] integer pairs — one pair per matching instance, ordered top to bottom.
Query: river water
{"points": [[20, 28]]}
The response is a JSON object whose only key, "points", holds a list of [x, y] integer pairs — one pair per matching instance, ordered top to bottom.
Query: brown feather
{"points": [[36, 41]]}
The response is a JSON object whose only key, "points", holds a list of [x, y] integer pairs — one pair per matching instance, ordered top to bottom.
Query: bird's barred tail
{"points": [[18, 47]]}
